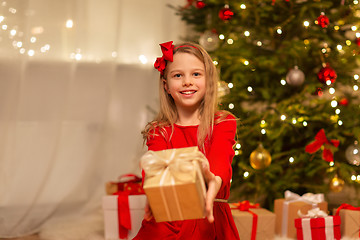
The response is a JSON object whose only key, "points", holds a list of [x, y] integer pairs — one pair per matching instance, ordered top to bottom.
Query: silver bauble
{"points": [[209, 40], [295, 77], [352, 154]]}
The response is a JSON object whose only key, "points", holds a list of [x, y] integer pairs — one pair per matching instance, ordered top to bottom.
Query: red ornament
{"points": [[200, 4], [226, 13], [323, 20], [358, 41], [327, 74], [319, 92], [344, 102]]}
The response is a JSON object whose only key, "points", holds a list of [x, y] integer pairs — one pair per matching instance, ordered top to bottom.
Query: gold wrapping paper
{"points": [[174, 183], [293, 209], [350, 223], [265, 226]]}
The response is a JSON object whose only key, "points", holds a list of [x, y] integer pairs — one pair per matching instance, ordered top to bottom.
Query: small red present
{"points": [[127, 182], [350, 221], [321, 228]]}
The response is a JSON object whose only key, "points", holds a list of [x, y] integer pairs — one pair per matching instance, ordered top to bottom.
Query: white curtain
{"points": [[74, 97]]}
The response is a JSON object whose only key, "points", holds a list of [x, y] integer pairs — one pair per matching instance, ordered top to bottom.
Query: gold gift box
{"points": [[174, 183], [293, 209], [350, 223], [265, 224]]}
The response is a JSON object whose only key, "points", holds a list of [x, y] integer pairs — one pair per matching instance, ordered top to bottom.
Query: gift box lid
{"points": [[110, 202], [318, 222]]}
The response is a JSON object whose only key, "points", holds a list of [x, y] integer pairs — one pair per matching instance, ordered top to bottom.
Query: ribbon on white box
{"points": [[290, 197], [329, 228]]}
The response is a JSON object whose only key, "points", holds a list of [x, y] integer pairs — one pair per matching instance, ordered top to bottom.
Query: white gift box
{"points": [[111, 222]]}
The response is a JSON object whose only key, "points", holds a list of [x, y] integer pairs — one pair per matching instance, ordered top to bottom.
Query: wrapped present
{"points": [[126, 182], [174, 183], [286, 210], [123, 215], [350, 221], [253, 222], [317, 225]]}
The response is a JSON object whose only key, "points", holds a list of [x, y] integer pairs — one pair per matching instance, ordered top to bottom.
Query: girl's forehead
{"points": [[185, 59]]}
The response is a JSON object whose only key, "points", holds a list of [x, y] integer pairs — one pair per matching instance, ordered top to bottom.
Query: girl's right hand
{"points": [[148, 213]]}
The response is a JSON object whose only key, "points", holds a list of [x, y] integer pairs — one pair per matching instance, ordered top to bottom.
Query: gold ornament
{"points": [[260, 158], [337, 184]]}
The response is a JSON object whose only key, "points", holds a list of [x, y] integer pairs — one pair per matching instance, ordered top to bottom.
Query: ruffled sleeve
{"points": [[220, 152]]}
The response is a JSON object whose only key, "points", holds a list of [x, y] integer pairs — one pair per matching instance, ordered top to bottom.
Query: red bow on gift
{"points": [[167, 50], [320, 140], [245, 206], [347, 207]]}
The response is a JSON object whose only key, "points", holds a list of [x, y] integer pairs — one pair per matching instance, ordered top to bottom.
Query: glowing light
{"points": [[356, 2], [243, 6], [12, 10], [2, 18], [69, 23], [306, 23], [4, 27], [336, 28], [354, 28], [279, 31], [13, 32], [247, 33], [221, 36], [33, 39], [230, 41], [306, 42], [348, 42], [259, 43], [19, 44], [47, 47], [339, 47], [22, 50], [323, 50], [31, 53], [78, 56], [143, 59], [215, 62], [246, 62], [356, 76], [283, 82], [328, 82], [230, 85], [356, 87], [250, 89], [331, 90], [334, 103], [231, 106], [337, 111], [283, 117], [293, 121], [340, 122], [263, 123], [305, 123], [263, 131], [238, 145], [237, 152], [291, 160], [331, 164], [246, 174], [353, 177], [358, 177]]}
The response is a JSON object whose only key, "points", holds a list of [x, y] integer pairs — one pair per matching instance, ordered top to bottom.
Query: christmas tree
{"points": [[289, 71]]}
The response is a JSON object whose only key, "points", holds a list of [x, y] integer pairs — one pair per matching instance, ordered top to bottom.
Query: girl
{"points": [[188, 117]]}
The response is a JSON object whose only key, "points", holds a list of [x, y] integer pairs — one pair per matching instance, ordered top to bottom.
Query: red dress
{"points": [[219, 151]]}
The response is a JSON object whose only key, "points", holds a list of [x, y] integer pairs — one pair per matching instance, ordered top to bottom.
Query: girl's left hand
{"points": [[214, 184]]}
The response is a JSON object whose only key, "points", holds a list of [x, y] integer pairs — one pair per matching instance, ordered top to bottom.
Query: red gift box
{"points": [[322, 228]]}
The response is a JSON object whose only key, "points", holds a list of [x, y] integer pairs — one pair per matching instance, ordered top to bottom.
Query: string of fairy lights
{"points": [[212, 39]]}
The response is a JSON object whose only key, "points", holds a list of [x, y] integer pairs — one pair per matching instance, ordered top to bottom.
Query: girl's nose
{"points": [[187, 81]]}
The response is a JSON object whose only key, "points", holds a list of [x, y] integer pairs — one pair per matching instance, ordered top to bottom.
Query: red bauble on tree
{"points": [[200, 4], [226, 13], [323, 20], [358, 41], [327, 74], [344, 102]]}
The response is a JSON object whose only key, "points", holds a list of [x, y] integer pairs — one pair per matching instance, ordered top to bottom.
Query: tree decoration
{"points": [[200, 4], [226, 13], [323, 20], [209, 40], [357, 40], [327, 74], [295, 77], [318, 92], [344, 102], [321, 140], [352, 154], [260, 158], [336, 184]]}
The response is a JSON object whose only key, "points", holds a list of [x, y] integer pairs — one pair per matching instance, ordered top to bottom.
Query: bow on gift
{"points": [[167, 50], [320, 140], [310, 198], [245, 206], [347, 207], [313, 213]]}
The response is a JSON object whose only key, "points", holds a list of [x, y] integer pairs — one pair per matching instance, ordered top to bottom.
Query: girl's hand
{"points": [[214, 184], [148, 213]]}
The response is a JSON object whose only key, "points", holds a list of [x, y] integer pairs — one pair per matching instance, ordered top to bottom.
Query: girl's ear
{"points": [[165, 85]]}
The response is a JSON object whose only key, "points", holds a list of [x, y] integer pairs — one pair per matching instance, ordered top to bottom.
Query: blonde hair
{"points": [[168, 114]]}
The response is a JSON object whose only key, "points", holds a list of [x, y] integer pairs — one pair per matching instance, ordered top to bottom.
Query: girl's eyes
{"points": [[196, 74], [177, 75]]}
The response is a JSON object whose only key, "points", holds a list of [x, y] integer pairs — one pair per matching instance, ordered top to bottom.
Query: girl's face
{"points": [[185, 81]]}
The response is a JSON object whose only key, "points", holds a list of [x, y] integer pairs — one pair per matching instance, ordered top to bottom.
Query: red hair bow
{"points": [[167, 50], [320, 139]]}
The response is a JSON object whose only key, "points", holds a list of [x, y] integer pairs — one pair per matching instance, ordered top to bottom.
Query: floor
{"points": [[32, 237]]}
